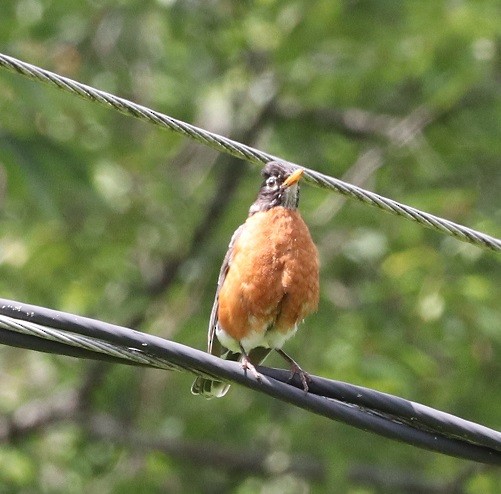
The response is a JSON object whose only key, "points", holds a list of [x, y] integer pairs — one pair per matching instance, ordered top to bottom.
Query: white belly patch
{"points": [[267, 339]]}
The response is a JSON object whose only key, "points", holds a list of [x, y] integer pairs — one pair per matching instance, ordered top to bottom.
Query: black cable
{"points": [[408, 412], [383, 414]]}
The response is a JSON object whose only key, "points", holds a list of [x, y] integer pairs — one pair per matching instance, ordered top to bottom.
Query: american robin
{"points": [[268, 283]]}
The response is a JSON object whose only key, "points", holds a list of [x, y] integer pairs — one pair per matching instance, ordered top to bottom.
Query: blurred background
{"points": [[112, 218]]}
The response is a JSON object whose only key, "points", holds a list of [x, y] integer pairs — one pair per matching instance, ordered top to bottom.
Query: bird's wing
{"points": [[214, 346]]}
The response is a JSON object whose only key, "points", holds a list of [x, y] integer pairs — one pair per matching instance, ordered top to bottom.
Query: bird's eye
{"points": [[271, 181]]}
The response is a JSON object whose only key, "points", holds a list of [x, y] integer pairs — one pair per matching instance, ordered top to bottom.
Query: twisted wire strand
{"points": [[221, 143], [90, 344]]}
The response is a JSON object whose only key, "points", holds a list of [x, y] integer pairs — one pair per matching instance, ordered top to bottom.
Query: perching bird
{"points": [[268, 283]]}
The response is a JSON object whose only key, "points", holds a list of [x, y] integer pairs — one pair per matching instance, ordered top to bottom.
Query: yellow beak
{"points": [[293, 178]]}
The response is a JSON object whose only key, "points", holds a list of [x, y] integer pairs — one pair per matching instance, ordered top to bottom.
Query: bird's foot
{"points": [[248, 366], [295, 369], [304, 376]]}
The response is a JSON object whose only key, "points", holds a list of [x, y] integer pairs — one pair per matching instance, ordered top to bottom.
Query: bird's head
{"points": [[280, 187]]}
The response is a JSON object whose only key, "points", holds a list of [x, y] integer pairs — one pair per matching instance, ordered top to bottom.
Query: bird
{"points": [[268, 282]]}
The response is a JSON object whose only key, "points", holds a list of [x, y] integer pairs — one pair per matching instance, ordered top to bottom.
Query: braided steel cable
{"points": [[239, 150], [88, 344], [380, 413]]}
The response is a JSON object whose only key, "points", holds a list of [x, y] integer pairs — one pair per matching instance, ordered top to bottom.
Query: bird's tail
{"points": [[209, 388]]}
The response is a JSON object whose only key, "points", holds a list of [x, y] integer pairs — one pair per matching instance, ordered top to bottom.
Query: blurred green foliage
{"points": [[400, 97]]}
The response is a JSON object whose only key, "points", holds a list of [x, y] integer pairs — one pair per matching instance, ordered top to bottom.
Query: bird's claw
{"points": [[248, 366], [305, 377]]}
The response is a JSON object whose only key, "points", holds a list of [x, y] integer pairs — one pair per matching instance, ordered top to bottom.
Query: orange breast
{"points": [[273, 276]]}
